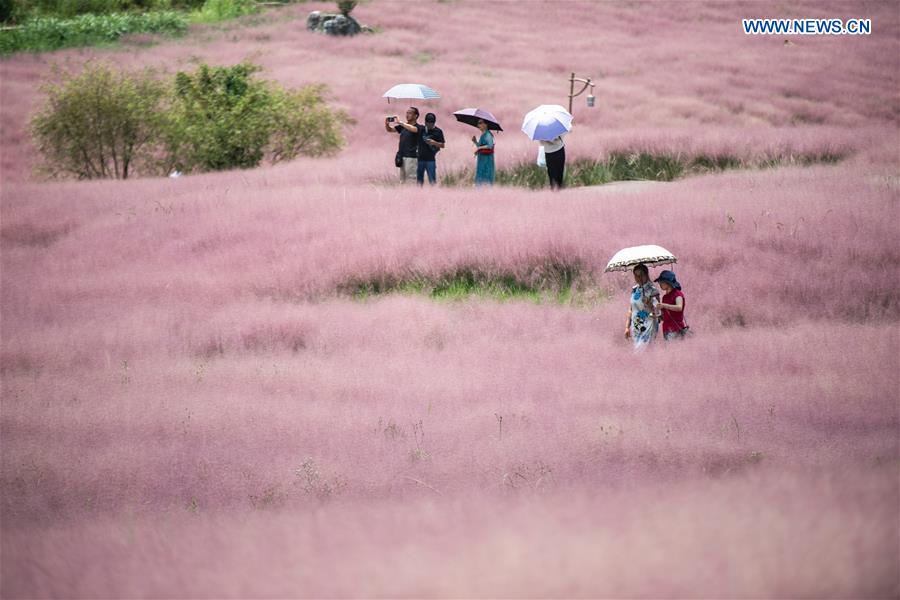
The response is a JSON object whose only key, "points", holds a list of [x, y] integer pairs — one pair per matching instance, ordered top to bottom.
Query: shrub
{"points": [[345, 7], [67, 9], [218, 10], [10, 12], [51, 33], [222, 118], [219, 119], [99, 124], [102, 124], [304, 124]]}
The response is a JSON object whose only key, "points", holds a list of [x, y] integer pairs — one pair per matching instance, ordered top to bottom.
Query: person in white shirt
{"points": [[555, 155]]}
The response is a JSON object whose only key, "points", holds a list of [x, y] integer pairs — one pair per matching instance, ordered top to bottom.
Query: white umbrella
{"points": [[411, 91], [546, 122], [652, 256]]}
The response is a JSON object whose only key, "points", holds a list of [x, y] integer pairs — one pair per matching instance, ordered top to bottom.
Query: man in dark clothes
{"points": [[431, 140], [409, 141]]}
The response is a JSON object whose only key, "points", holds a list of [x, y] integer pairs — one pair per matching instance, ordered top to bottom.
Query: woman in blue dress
{"points": [[484, 155]]}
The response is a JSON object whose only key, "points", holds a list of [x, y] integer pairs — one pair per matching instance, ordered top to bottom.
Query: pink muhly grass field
{"points": [[193, 406]]}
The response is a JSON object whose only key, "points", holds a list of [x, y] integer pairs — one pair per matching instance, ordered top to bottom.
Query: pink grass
{"points": [[190, 408]]}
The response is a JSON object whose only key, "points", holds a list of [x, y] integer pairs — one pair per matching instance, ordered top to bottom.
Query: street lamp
{"points": [[572, 94]]}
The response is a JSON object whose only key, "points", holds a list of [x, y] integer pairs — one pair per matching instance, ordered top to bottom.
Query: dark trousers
{"points": [[429, 167], [556, 167]]}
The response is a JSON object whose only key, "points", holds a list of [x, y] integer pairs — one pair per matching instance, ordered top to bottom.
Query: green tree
{"points": [[345, 7], [223, 118], [219, 119], [100, 123], [109, 124], [304, 124]]}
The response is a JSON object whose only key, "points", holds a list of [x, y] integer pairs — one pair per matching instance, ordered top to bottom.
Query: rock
{"points": [[313, 20], [332, 24]]}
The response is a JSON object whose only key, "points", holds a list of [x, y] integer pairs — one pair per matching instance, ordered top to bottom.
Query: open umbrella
{"points": [[411, 91], [471, 116], [546, 122], [652, 256]]}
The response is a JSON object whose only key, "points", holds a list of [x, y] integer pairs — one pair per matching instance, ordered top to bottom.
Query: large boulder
{"points": [[332, 24]]}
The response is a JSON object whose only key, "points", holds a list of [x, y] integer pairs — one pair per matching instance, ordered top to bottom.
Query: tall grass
{"points": [[636, 166], [550, 277], [192, 348], [193, 404]]}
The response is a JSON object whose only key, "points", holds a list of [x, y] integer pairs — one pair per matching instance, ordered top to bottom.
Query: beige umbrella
{"points": [[652, 256]]}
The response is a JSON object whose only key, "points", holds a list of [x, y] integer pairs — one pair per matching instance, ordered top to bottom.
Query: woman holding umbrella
{"points": [[547, 124], [484, 145], [484, 155], [555, 155], [643, 308], [642, 326]]}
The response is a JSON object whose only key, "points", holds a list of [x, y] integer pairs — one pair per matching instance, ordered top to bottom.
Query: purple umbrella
{"points": [[471, 116]]}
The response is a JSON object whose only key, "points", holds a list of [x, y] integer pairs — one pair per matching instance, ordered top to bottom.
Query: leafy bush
{"points": [[345, 7], [66, 9], [19, 10], [218, 10], [10, 12], [50, 33], [213, 119], [223, 119], [219, 120], [100, 123], [304, 124]]}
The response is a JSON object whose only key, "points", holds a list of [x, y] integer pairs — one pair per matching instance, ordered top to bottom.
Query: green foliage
{"points": [[185, 4], [345, 7], [67, 9], [218, 10], [11, 12], [52, 24], [50, 33], [222, 118], [219, 119], [99, 124], [104, 124], [304, 124], [718, 162], [634, 166], [644, 166], [523, 175], [551, 279]]}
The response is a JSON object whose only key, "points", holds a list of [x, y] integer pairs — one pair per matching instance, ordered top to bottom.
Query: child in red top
{"points": [[672, 306]]}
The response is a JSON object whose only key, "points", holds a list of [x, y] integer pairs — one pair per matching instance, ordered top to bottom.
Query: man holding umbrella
{"points": [[429, 141], [416, 147]]}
